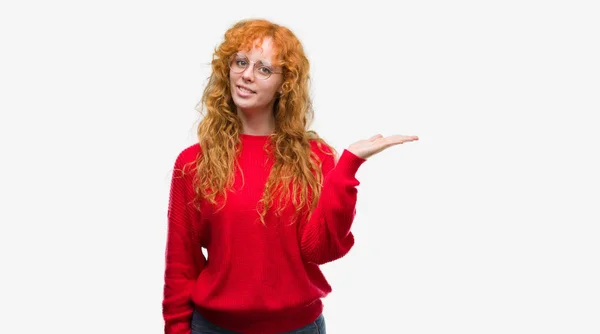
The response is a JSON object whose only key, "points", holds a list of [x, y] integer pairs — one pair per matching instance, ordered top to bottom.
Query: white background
{"points": [[487, 224]]}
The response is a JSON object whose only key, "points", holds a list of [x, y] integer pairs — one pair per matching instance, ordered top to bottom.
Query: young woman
{"points": [[266, 197]]}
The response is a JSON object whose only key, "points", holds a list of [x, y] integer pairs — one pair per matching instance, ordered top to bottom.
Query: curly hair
{"points": [[296, 165]]}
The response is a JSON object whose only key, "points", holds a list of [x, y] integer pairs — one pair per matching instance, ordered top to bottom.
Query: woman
{"points": [[261, 193]]}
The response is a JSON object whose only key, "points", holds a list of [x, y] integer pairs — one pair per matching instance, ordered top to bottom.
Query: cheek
{"points": [[233, 77], [232, 82], [272, 88]]}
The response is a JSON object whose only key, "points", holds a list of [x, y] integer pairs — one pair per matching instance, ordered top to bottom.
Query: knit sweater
{"points": [[257, 278]]}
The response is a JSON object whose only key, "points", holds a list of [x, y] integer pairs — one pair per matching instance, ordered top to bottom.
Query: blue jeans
{"points": [[201, 326]]}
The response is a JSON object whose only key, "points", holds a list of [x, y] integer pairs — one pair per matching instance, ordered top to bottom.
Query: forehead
{"points": [[264, 51]]}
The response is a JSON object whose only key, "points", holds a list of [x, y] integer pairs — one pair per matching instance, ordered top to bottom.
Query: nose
{"points": [[248, 74]]}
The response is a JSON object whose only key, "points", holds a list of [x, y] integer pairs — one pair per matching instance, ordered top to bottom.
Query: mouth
{"points": [[245, 90]]}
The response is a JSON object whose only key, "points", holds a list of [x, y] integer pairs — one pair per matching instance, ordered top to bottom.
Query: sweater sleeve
{"points": [[326, 236], [183, 255]]}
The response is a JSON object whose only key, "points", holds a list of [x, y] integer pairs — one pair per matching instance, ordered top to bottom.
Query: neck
{"points": [[257, 122]]}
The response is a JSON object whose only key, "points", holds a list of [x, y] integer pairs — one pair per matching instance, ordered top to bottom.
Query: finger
{"points": [[375, 137], [409, 138], [402, 139], [384, 143]]}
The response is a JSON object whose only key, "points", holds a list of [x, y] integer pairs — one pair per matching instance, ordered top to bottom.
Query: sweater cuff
{"points": [[348, 164]]}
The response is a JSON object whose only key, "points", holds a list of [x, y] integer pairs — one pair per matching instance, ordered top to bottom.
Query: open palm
{"points": [[368, 147]]}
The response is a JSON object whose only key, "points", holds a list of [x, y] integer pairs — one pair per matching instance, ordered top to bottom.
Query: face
{"points": [[249, 90]]}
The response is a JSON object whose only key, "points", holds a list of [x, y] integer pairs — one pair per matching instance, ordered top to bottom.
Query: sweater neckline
{"points": [[254, 138]]}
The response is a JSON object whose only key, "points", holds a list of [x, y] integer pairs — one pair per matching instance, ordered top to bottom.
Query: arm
{"points": [[326, 236], [183, 256]]}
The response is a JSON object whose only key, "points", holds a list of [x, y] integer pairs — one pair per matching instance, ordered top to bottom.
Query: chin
{"points": [[243, 104]]}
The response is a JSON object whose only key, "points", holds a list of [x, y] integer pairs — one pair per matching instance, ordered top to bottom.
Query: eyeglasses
{"points": [[239, 64]]}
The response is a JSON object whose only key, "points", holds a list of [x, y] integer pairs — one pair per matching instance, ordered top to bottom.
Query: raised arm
{"points": [[326, 236]]}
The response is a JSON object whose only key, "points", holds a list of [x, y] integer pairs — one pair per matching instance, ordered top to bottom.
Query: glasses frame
{"points": [[254, 68]]}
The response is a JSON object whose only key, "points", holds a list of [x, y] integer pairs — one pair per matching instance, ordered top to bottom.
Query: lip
{"points": [[244, 92]]}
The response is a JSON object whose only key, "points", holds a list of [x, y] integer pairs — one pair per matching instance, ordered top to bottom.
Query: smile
{"points": [[244, 90]]}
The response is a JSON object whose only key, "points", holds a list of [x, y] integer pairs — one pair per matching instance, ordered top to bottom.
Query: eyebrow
{"points": [[262, 61]]}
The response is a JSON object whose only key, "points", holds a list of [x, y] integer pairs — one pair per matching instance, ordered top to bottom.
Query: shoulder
{"points": [[326, 154], [186, 158]]}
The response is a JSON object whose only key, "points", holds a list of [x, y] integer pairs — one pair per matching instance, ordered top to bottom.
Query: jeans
{"points": [[201, 326]]}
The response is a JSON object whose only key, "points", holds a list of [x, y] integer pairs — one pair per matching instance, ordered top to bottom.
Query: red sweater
{"points": [[257, 279]]}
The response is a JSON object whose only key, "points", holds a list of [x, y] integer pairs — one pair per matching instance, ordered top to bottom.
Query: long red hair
{"points": [[296, 166]]}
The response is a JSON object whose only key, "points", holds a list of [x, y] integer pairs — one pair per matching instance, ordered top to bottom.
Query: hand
{"points": [[376, 144]]}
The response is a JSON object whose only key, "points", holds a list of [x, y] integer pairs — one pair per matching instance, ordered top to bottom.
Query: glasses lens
{"points": [[238, 64], [262, 72]]}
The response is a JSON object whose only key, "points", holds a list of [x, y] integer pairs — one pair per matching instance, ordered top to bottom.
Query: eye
{"points": [[242, 62], [265, 70]]}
